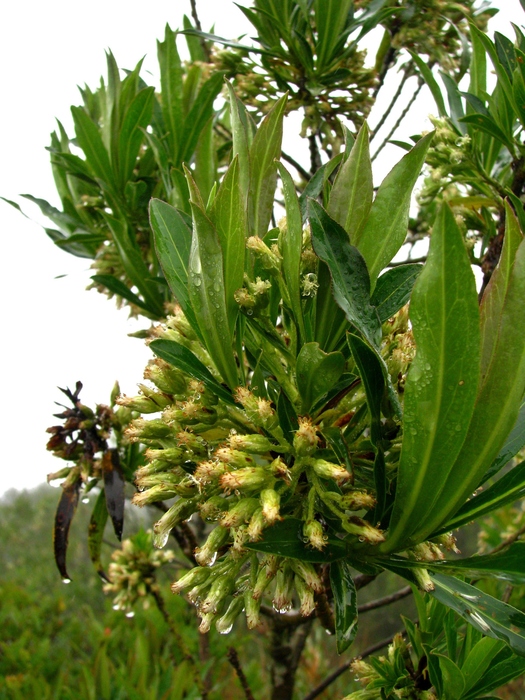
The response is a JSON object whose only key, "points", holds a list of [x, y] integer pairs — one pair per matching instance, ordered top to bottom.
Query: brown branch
{"points": [[198, 26], [388, 110], [399, 120], [315, 156], [302, 171], [408, 261], [510, 540], [362, 580], [387, 600], [233, 658], [339, 671]]}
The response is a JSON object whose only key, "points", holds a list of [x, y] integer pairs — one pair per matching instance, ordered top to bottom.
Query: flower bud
{"points": [[268, 257], [180, 323], [165, 377], [144, 404], [141, 430], [306, 439], [255, 444], [169, 455], [234, 458], [280, 470], [328, 470], [207, 472], [60, 474], [247, 479], [160, 492], [357, 500], [270, 501], [213, 507], [179, 511], [239, 513], [256, 525], [364, 531], [314, 534], [240, 537], [448, 541], [427, 551], [207, 554], [309, 575], [195, 577], [264, 578], [423, 579], [220, 589], [283, 595], [306, 596], [252, 607], [206, 620], [226, 621]]}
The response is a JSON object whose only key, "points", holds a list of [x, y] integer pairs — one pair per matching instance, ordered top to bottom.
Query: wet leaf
{"points": [[131, 135], [393, 289], [316, 373], [114, 489], [67, 506], [97, 524], [508, 565], [345, 605]]}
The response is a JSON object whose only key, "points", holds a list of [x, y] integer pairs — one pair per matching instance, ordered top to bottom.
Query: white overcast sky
{"points": [[54, 332]]}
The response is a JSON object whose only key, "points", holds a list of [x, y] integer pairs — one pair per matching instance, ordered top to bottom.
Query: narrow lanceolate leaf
{"points": [[331, 17], [429, 79], [171, 87], [198, 116], [243, 130], [131, 135], [90, 141], [265, 149], [353, 190], [228, 215], [386, 227], [291, 240], [173, 243], [350, 280], [118, 287], [206, 289], [393, 289], [494, 297], [182, 358], [316, 373], [441, 384], [498, 401], [513, 444], [114, 489], [508, 489], [67, 506], [97, 524], [286, 540], [508, 565], [345, 605], [488, 615]]}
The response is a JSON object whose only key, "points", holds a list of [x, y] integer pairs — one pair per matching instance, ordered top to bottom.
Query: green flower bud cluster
{"points": [[399, 348], [132, 571], [392, 675]]}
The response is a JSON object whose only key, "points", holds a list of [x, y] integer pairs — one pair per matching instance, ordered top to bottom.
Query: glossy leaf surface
{"points": [[393, 289], [316, 373], [114, 489], [67, 506], [97, 524], [508, 565], [345, 605]]}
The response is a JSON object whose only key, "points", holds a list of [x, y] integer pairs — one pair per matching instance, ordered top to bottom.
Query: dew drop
{"points": [[250, 312], [85, 500], [160, 539], [212, 560], [66, 580], [116, 607], [130, 613], [226, 630]]}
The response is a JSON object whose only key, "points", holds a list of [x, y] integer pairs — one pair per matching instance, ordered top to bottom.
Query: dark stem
{"points": [[198, 26], [389, 61], [391, 106], [399, 120], [315, 156], [302, 171], [422, 259], [362, 580], [380, 602], [286, 646], [233, 658], [335, 675]]}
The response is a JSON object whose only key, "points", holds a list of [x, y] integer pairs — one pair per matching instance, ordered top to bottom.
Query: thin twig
{"points": [[198, 26], [386, 113], [398, 122], [315, 156], [302, 171], [422, 259], [510, 540], [362, 580], [380, 602], [161, 605], [233, 658], [335, 675]]}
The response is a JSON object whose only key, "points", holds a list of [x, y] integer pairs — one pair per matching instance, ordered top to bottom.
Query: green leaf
{"points": [[331, 17], [429, 79], [503, 79], [171, 89], [198, 116], [489, 126], [243, 130], [131, 136], [90, 141], [264, 151], [205, 170], [316, 183], [353, 190], [228, 216], [386, 228], [291, 240], [172, 244], [350, 280], [118, 287], [206, 287], [393, 289], [491, 308], [182, 358], [371, 371], [316, 373], [441, 384], [498, 401], [287, 417], [513, 444], [114, 489], [506, 490], [66, 508], [97, 524], [285, 539], [507, 565], [345, 605], [485, 613], [479, 661], [499, 673], [453, 678]]}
